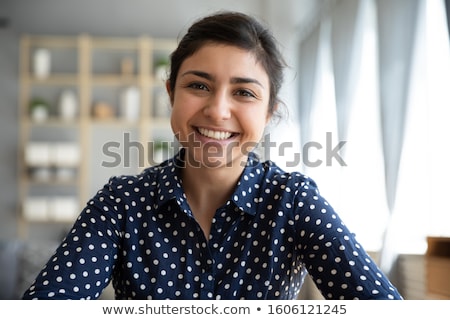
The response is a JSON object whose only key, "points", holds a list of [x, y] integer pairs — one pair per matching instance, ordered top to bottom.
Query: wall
{"points": [[8, 133]]}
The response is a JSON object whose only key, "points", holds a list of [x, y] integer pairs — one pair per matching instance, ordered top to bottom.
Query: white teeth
{"points": [[218, 135]]}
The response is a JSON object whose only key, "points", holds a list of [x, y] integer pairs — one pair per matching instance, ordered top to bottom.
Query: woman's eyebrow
{"points": [[198, 73], [234, 80], [246, 80]]}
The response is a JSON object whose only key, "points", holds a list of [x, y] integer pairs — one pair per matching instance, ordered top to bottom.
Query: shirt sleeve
{"points": [[336, 262], [82, 265]]}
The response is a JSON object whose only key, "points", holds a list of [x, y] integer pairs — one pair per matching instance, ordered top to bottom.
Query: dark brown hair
{"points": [[236, 29]]}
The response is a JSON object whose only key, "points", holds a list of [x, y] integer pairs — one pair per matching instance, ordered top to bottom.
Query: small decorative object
{"points": [[41, 63], [127, 67], [161, 69], [130, 103], [68, 105], [39, 109], [103, 110], [38, 154], [66, 154], [42, 174], [65, 174], [35, 208], [63, 208]]}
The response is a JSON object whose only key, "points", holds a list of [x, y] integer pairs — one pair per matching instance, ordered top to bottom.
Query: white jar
{"points": [[41, 63], [161, 73], [130, 104], [68, 105], [39, 113]]}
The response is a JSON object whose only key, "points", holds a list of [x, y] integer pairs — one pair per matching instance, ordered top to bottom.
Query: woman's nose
{"points": [[218, 107]]}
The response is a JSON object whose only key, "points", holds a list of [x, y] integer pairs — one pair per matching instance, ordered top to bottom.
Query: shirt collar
{"points": [[168, 177], [248, 194], [246, 197]]}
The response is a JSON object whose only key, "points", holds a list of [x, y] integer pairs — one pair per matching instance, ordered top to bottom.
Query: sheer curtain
{"points": [[375, 74], [363, 202]]}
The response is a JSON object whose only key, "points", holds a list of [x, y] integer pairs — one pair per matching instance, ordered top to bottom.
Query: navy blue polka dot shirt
{"points": [[138, 232]]}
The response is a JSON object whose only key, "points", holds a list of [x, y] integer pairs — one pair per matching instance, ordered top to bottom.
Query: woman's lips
{"points": [[215, 134]]}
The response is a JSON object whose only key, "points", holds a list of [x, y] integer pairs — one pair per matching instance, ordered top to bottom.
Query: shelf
{"points": [[52, 41], [116, 43], [96, 70], [54, 80], [114, 80], [53, 121], [116, 122], [52, 182]]}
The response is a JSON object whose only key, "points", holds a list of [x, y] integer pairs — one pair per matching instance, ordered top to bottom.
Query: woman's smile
{"points": [[214, 134]]}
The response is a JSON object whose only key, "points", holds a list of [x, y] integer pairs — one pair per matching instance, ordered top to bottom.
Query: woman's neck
{"points": [[207, 189]]}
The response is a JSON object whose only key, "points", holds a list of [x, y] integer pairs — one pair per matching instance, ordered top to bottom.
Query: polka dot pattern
{"points": [[139, 232]]}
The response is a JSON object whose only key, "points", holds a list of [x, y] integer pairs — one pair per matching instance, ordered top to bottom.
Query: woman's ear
{"points": [[169, 91]]}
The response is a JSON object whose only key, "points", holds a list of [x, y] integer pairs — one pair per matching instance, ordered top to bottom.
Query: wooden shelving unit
{"points": [[97, 70]]}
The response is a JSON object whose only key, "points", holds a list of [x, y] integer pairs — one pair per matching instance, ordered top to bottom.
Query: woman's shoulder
{"points": [[277, 175], [149, 177], [274, 179]]}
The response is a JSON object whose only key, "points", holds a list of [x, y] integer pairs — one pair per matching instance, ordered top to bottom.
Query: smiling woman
{"points": [[214, 222]]}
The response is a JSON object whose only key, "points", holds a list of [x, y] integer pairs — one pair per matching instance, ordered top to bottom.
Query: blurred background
{"points": [[82, 100]]}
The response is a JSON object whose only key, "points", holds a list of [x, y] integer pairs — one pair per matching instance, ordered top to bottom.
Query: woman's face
{"points": [[220, 105]]}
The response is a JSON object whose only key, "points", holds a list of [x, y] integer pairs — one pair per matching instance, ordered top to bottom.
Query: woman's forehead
{"points": [[226, 59]]}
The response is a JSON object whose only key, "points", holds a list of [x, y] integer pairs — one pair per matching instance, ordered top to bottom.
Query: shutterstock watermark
{"points": [[312, 154]]}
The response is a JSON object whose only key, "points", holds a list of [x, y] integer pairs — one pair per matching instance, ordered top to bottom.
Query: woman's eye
{"points": [[198, 86], [245, 93]]}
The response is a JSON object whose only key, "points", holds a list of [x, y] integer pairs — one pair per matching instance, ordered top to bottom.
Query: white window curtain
{"points": [[375, 73], [322, 134], [422, 185], [363, 202]]}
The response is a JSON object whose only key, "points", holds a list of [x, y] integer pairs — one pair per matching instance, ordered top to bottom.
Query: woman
{"points": [[213, 222]]}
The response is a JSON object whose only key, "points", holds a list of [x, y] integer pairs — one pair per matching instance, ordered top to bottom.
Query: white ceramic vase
{"points": [[41, 63], [130, 101], [68, 105], [39, 113]]}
